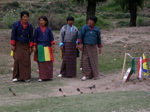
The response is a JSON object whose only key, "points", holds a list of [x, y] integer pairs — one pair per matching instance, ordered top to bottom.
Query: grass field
{"points": [[100, 102]]}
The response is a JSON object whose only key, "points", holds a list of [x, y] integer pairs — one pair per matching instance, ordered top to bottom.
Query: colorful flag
{"points": [[45, 54], [133, 65], [145, 67], [140, 68]]}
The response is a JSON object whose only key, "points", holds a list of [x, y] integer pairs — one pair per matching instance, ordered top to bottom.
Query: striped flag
{"points": [[45, 54], [145, 67], [140, 68]]}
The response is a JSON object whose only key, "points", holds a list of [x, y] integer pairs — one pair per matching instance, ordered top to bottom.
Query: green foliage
{"points": [[14, 4], [127, 5], [58, 7], [109, 7], [114, 15], [10, 18], [56, 21], [80, 21], [142, 21], [123, 23], [103, 24]]}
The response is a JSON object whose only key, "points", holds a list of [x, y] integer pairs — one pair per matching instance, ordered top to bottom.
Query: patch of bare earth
{"points": [[139, 37]]}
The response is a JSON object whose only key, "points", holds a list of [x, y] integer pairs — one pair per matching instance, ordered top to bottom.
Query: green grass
{"points": [[111, 6], [99, 102]]}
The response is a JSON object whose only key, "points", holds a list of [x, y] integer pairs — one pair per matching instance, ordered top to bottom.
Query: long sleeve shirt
{"points": [[22, 34], [68, 34], [90, 36], [43, 37]]}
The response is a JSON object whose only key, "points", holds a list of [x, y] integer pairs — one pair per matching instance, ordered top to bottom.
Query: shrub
{"points": [[14, 4], [110, 6], [10, 18], [56, 21], [80, 21], [141, 21], [123, 23], [104, 24]]}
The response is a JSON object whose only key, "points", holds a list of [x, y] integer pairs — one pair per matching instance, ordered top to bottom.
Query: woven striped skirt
{"points": [[45, 59], [89, 61], [22, 62], [68, 67], [45, 70]]}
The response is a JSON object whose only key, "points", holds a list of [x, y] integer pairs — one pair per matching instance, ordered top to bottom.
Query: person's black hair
{"points": [[24, 13], [70, 18], [94, 18], [45, 19]]}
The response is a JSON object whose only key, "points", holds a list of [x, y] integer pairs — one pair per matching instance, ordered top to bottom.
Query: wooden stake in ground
{"points": [[124, 63], [79, 91], [62, 92], [14, 94]]}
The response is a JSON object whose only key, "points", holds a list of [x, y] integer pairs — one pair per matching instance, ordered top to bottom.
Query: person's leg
{"points": [[70, 57], [93, 57], [25, 63], [86, 67], [63, 69], [46, 70]]}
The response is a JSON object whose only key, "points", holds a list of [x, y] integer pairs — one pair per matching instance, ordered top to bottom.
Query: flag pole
{"points": [[124, 63]]}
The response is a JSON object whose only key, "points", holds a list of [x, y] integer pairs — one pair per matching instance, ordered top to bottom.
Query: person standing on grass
{"points": [[89, 39], [21, 45], [68, 45], [43, 49]]}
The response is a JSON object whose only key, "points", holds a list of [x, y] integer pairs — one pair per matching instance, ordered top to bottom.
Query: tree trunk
{"points": [[91, 8], [133, 14]]}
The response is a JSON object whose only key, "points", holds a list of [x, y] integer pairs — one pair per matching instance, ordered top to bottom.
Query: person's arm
{"points": [[77, 34], [31, 35], [62, 35], [81, 35], [13, 37], [31, 38], [61, 38], [80, 38], [35, 40], [99, 41], [52, 42]]}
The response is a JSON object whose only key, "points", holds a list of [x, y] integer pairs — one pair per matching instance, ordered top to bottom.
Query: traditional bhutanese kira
{"points": [[44, 54]]}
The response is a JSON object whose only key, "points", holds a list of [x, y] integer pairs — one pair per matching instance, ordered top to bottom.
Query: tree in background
{"points": [[91, 6], [132, 6]]}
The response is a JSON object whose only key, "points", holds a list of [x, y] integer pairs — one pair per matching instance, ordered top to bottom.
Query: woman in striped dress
{"points": [[44, 48]]}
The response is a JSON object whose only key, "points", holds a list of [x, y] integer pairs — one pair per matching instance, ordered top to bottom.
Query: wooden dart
{"points": [[79, 91], [62, 92], [14, 94]]}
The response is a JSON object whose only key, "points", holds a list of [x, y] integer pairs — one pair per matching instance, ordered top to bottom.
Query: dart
{"points": [[91, 88], [79, 91], [12, 92], [62, 92]]}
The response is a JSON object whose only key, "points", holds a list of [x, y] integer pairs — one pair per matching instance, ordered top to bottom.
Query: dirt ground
{"points": [[123, 37]]}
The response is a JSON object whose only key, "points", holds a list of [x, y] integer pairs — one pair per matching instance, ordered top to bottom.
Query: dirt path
{"points": [[106, 83]]}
